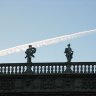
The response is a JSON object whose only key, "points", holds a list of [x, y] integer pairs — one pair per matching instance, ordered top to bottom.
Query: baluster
{"points": [[84, 66], [19, 68], [31, 68], [65, 68], [73, 68], [77, 68], [88, 68], [92, 68], [0, 69], [4, 69], [11, 69], [15, 69], [22, 69], [25, 69], [34, 69], [37, 69], [41, 69], [44, 69], [48, 69], [53, 69], [58, 69], [61, 69], [81, 69], [95, 69], [8, 70]]}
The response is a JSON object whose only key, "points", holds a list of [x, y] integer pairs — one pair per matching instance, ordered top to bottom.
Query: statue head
{"points": [[68, 45], [30, 46]]}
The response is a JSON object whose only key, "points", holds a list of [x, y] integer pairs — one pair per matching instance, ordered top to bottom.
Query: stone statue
{"points": [[30, 53], [69, 53]]}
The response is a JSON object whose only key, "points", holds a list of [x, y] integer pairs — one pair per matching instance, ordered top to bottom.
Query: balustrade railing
{"points": [[48, 68]]}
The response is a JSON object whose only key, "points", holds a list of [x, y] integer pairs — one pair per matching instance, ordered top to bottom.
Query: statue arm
{"points": [[34, 49], [65, 50], [26, 51], [72, 51]]}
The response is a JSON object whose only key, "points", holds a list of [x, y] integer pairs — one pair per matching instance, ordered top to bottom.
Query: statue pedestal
{"points": [[68, 68], [29, 71]]}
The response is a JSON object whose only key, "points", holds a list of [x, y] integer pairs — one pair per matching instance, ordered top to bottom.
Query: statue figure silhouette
{"points": [[30, 53], [69, 53]]}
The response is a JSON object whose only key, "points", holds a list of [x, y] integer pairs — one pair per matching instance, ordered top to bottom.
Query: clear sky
{"points": [[26, 21]]}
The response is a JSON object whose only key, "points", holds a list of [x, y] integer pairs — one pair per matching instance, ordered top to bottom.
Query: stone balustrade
{"points": [[48, 68]]}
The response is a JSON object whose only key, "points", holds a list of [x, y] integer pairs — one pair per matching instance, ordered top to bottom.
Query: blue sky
{"points": [[25, 21]]}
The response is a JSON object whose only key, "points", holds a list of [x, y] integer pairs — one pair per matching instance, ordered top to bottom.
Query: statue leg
{"points": [[68, 58], [28, 59]]}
